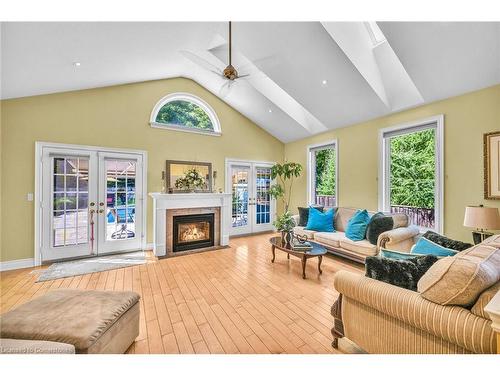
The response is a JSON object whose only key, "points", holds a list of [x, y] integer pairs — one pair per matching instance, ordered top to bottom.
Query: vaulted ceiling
{"points": [[305, 77]]}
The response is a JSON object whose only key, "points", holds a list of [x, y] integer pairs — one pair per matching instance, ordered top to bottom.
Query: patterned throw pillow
{"points": [[379, 223], [446, 242], [402, 273]]}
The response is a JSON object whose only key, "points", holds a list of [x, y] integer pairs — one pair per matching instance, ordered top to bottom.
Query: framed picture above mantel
{"points": [[492, 165], [188, 176]]}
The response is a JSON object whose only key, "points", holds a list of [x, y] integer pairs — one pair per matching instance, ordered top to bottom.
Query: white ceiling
{"points": [[418, 63]]}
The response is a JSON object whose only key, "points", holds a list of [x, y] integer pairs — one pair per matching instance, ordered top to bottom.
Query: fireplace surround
{"points": [[193, 232]]}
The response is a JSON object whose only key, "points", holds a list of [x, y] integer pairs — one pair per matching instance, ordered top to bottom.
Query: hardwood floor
{"points": [[225, 301]]}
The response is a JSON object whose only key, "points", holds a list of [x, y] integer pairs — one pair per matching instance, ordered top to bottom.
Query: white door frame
{"points": [[39, 147], [227, 183]]}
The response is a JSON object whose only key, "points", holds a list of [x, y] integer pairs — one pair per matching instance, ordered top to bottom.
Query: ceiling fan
{"points": [[230, 74]]}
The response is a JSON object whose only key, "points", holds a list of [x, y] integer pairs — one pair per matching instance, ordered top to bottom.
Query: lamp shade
{"points": [[481, 217]]}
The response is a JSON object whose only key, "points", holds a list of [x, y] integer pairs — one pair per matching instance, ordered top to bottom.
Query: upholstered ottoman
{"points": [[92, 321]]}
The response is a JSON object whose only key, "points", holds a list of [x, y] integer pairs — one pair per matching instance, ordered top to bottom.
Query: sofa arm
{"points": [[401, 239], [451, 323]]}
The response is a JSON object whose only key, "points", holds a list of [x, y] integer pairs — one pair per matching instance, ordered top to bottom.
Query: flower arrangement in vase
{"points": [[191, 181]]}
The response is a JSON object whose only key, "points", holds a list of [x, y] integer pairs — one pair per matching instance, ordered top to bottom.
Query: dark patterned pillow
{"points": [[304, 214], [379, 223], [445, 241], [402, 273]]}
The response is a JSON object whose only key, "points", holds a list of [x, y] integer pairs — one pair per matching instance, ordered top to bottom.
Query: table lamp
{"points": [[481, 218]]}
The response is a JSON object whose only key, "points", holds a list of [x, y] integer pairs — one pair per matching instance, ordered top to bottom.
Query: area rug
{"points": [[91, 265]]}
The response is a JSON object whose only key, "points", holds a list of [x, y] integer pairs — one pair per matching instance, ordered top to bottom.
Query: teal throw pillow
{"points": [[320, 221], [356, 226], [426, 247], [393, 254]]}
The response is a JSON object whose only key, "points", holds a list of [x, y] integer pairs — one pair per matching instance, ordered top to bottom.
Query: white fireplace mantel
{"points": [[163, 202]]}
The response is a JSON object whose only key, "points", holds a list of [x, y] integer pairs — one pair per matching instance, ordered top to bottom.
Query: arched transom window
{"points": [[185, 112]]}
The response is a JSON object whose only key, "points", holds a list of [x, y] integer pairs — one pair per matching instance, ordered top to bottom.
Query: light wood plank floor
{"points": [[226, 301]]}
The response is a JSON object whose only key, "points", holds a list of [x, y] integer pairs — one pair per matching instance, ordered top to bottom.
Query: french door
{"points": [[91, 202], [253, 209]]}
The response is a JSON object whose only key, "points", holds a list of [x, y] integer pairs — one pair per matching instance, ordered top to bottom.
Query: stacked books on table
{"points": [[300, 246]]}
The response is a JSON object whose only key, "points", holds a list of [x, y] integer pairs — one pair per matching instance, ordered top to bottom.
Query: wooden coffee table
{"points": [[316, 251]]}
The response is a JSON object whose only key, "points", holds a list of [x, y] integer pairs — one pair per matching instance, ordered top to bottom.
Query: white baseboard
{"points": [[149, 246], [16, 264]]}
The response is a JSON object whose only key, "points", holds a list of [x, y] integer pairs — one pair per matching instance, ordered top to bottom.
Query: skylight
{"points": [[376, 35]]}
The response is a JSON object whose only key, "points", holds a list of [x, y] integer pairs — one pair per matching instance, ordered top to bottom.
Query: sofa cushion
{"points": [[304, 214], [342, 217], [319, 221], [379, 223], [356, 227], [301, 231], [329, 238], [492, 241], [446, 242], [360, 247], [427, 247], [393, 254], [404, 273], [459, 280], [484, 299], [75, 317]]}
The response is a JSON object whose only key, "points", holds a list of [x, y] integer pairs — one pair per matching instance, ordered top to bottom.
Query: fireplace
{"points": [[193, 232]]}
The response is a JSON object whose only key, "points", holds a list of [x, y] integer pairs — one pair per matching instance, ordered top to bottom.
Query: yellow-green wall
{"points": [[116, 116], [466, 119]]}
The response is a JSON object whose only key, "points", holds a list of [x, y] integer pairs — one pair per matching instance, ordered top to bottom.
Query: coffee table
{"points": [[316, 251]]}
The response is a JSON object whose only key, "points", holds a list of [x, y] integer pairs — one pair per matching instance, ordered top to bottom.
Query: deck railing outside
{"points": [[326, 200], [421, 216]]}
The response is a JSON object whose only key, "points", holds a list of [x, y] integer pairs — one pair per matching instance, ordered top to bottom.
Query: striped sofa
{"points": [[447, 315], [382, 318]]}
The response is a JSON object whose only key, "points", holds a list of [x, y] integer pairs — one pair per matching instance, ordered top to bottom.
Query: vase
{"points": [[286, 237]]}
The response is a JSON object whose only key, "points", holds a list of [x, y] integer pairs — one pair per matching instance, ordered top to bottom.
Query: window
{"points": [[185, 112], [411, 172], [322, 174]]}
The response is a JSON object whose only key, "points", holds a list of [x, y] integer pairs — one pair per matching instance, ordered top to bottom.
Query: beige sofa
{"points": [[401, 238], [443, 317]]}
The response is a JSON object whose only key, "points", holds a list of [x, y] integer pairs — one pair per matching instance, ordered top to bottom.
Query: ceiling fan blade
{"points": [[201, 62], [243, 76], [226, 88]]}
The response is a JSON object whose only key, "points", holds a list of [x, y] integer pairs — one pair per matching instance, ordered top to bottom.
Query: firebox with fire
{"points": [[193, 232]]}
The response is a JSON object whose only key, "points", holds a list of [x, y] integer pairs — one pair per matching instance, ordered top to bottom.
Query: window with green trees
{"points": [[184, 111], [413, 169], [411, 174], [323, 179]]}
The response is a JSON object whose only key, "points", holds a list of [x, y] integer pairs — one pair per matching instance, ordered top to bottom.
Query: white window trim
{"points": [[188, 98], [39, 147], [310, 174], [383, 176]]}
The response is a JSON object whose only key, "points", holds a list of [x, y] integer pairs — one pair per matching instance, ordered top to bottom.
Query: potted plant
{"points": [[284, 174]]}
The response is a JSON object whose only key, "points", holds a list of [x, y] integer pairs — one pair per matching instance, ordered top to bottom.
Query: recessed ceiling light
{"points": [[77, 63], [324, 82], [270, 110]]}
